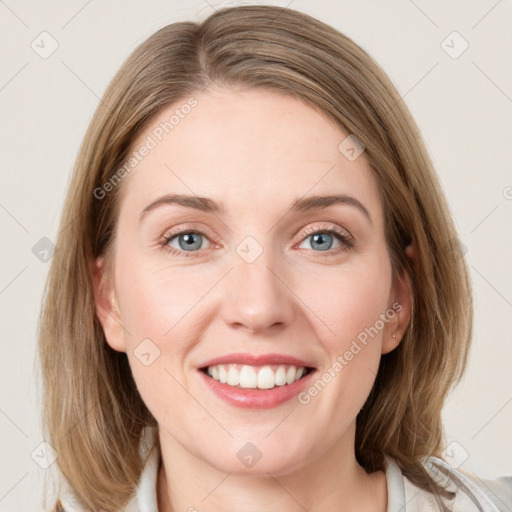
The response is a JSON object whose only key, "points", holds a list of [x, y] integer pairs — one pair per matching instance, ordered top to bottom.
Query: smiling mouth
{"points": [[263, 377]]}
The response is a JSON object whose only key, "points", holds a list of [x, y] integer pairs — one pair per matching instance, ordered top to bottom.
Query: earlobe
{"points": [[403, 299], [106, 307], [390, 343]]}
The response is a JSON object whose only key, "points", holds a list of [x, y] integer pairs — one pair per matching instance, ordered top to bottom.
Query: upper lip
{"points": [[256, 360]]}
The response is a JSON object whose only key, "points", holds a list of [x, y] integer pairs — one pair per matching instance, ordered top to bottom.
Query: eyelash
{"points": [[340, 234]]}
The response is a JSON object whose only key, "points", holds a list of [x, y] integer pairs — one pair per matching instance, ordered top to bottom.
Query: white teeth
{"points": [[215, 372], [290, 375], [233, 377], [264, 377], [280, 377], [248, 378]]}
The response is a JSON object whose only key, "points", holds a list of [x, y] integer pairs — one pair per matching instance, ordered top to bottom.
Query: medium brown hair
{"points": [[93, 414]]}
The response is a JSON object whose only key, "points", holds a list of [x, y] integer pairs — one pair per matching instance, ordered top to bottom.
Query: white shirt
{"points": [[403, 495]]}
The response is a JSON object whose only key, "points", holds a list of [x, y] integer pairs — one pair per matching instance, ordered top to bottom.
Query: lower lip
{"points": [[253, 398]]}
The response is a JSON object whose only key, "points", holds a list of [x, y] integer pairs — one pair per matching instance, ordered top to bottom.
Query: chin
{"points": [[251, 461]]}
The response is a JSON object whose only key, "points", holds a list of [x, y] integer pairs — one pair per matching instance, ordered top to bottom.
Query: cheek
{"points": [[352, 299], [155, 301], [352, 306], [352, 310], [159, 311]]}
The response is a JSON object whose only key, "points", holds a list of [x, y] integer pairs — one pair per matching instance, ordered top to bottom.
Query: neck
{"points": [[333, 481]]}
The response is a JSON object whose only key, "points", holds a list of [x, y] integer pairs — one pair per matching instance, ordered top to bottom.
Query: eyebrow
{"points": [[299, 205]]}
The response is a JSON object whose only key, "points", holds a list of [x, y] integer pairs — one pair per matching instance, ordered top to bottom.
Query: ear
{"points": [[401, 303], [106, 306]]}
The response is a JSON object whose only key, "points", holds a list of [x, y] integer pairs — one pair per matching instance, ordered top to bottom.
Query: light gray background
{"points": [[463, 107]]}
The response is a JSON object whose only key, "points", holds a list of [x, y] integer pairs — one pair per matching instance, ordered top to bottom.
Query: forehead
{"points": [[237, 146]]}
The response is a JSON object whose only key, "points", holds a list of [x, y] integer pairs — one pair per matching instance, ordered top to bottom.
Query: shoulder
{"points": [[469, 493], [144, 498]]}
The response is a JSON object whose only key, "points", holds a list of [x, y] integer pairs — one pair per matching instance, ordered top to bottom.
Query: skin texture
{"points": [[254, 152]]}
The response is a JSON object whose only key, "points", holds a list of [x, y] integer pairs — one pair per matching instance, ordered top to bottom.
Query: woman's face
{"points": [[262, 272]]}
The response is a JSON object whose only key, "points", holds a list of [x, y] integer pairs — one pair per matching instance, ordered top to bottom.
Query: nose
{"points": [[256, 297]]}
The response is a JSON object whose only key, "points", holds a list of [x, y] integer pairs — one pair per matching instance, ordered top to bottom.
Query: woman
{"points": [[257, 299]]}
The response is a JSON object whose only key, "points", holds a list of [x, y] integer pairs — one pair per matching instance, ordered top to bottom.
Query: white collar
{"points": [[403, 495]]}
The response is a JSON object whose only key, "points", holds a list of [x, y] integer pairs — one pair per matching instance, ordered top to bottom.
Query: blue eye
{"points": [[322, 240], [188, 241], [191, 241]]}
